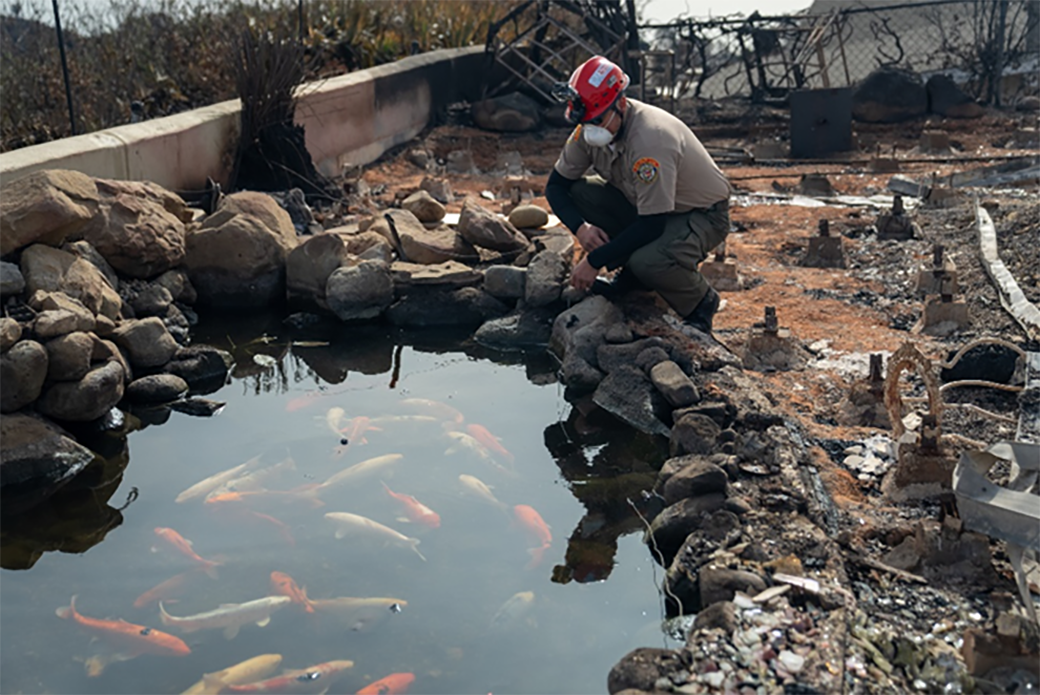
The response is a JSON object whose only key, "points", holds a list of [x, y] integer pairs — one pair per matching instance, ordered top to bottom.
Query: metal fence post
{"points": [[64, 65], [998, 67]]}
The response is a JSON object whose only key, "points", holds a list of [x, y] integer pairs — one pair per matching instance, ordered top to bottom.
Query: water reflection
{"points": [[610, 468], [74, 519]]}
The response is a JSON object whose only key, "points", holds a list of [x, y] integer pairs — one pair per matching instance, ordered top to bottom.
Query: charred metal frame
{"points": [[552, 37]]}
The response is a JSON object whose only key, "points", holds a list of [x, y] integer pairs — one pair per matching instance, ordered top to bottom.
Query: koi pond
{"points": [[434, 512]]}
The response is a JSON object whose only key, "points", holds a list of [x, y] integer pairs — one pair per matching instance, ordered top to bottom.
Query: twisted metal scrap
{"points": [[905, 358], [1010, 513]]}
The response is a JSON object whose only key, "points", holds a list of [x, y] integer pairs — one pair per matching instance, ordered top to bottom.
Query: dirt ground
{"points": [[838, 317]]}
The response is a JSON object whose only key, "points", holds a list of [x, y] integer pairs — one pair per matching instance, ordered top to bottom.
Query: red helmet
{"points": [[593, 88]]}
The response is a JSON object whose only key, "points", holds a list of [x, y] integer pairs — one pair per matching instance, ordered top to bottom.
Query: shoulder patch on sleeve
{"points": [[576, 134], [646, 169]]}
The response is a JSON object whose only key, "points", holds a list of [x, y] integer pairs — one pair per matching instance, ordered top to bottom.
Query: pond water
{"points": [[489, 603]]}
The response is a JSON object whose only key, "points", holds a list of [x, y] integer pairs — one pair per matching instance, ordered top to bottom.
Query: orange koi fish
{"points": [[306, 400], [490, 441], [416, 511], [536, 529], [183, 546], [284, 585], [168, 590], [130, 640], [313, 679], [394, 684]]}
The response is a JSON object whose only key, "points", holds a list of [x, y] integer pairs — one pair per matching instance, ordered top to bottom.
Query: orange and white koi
{"points": [[439, 410], [490, 441], [467, 443], [359, 471], [257, 479], [204, 487], [305, 494], [416, 511], [347, 524], [536, 529], [183, 546], [284, 585], [228, 616], [129, 639], [247, 671], [313, 679], [394, 684]]}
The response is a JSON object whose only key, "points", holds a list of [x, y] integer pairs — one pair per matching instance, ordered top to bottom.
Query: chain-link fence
{"points": [[990, 47]]}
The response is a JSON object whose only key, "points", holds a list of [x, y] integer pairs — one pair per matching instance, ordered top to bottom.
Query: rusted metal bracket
{"points": [[905, 358]]}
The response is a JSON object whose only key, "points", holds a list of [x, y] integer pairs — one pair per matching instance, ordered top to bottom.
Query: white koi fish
{"points": [[441, 411], [336, 418], [359, 471], [211, 483], [476, 487], [348, 523], [513, 610], [359, 613], [229, 616], [247, 671], [313, 680]]}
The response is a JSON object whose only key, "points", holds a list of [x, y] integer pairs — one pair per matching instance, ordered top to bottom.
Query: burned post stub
{"points": [[896, 224], [825, 251], [721, 272], [941, 278], [943, 314], [772, 348], [864, 406], [923, 469]]}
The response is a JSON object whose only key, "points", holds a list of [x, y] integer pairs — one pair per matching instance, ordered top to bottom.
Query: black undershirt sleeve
{"points": [[558, 193], [612, 255]]}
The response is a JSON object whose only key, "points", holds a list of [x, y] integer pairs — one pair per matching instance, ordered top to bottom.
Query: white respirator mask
{"points": [[596, 136]]}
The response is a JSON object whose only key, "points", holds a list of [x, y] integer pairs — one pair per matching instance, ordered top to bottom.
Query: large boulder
{"points": [[889, 95], [512, 112], [146, 190], [424, 206], [45, 207], [487, 230], [137, 236], [422, 245], [84, 250], [236, 258], [309, 265], [52, 270], [545, 277], [11, 280], [362, 291], [59, 314], [582, 328], [517, 331], [147, 341], [68, 356], [204, 367], [23, 370], [627, 393], [86, 399], [36, 459], [640, 669]]}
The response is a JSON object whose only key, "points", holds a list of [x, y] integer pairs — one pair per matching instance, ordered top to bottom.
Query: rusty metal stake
{"points": [[824, 227]]}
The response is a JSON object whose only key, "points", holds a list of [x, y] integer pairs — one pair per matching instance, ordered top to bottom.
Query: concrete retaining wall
{"points": [[350, 119]]}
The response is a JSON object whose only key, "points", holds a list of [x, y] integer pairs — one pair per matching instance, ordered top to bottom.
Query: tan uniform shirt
{"points": [[657, 162]]}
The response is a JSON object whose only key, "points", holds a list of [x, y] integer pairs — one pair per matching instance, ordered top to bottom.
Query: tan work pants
{"points": [[668, 265]]}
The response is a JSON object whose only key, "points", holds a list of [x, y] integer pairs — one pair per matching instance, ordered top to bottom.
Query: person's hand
{"points": [[591, 237], [583, 275]]}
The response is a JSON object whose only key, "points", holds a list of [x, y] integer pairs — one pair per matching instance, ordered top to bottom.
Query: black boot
{"points": [[700, 318]]}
